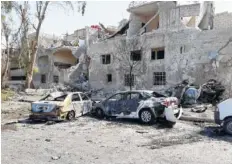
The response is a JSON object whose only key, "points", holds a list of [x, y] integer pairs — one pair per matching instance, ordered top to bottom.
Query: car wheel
{"points": [[99, 113], [71, 115], [146, 116], [227, 126]]}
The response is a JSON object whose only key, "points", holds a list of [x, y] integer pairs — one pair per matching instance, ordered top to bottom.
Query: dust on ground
{"points": [[89, 140]]}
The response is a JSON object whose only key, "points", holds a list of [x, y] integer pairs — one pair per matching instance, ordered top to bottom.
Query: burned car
{"points": [[140, 105], [61, 106]]}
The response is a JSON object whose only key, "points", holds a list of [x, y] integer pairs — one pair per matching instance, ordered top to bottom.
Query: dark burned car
{"points": [[140, 104]]}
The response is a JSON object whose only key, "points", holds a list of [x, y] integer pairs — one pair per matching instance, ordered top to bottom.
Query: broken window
{"points": [[145, 29], [157, 54], [136, 55], [105, 59], [109, 77], [43, 78], [159, 78], [55, 79], [129, 80], [134, 96], [76, 97], [84, 97], [117, 97]]}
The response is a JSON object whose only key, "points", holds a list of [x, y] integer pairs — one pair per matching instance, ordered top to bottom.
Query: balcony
{"points": [[146, 8]]}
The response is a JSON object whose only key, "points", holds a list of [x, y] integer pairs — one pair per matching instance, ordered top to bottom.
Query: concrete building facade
{"points": [[173, 42]]}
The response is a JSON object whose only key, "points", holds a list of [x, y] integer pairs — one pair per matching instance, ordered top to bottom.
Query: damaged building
{"points": [[162, 44], [58, 61]]}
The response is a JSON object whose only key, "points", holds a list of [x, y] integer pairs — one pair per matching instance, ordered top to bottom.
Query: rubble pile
{"points": [[190, 95]]}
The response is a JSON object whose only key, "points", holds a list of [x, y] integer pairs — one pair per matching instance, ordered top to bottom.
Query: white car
{"points": [[140, 104], [61, 106], [223, 115]]}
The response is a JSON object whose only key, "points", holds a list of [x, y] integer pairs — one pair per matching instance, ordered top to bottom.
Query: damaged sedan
{"points": [[142, 105], [61, 106]]}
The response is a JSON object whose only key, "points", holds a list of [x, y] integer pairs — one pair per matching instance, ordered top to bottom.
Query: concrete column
{"points": [[134, 26]]}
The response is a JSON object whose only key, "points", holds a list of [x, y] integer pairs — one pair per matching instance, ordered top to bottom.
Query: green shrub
{"points": [[6, 94]]}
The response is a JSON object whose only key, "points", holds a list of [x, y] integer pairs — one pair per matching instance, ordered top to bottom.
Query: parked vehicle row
{"points": [[131, 104], [145, 105]]}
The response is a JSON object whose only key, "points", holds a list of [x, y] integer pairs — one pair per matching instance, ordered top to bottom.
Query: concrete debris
{"points": [[200, 108], [48, 140], [55, 157]]}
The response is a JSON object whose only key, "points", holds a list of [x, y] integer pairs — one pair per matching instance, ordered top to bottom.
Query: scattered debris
{"points": [[199, 108], [50, 123], [138, 131], [48, 140], [55, 157]]}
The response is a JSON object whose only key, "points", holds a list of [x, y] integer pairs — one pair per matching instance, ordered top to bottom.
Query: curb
{"points": [[200, 119]]}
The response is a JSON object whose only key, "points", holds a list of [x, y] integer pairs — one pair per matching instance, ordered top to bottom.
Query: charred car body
{"points": [[191, 94], [139, 104], [60, 106]]}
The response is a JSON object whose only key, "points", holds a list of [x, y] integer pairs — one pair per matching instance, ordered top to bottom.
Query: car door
{"points": [[132, 102], [86, 103], [77, 104], [113, 104]]}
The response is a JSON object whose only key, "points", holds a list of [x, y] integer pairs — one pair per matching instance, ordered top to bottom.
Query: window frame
{"points": [[132, 53], [154, 53], [106, 59], [109, 75], [54, 79], [43, 80], [161, 81]]}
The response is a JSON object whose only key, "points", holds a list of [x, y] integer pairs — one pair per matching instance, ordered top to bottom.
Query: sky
{"points": [[59, 21]]}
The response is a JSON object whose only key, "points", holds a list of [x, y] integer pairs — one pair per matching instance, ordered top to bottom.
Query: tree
{"points": [[41, 10], [8, 36], [129, 57]]}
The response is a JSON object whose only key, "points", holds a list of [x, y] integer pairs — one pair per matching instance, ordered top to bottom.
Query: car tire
{"points": [[99, 113], [71, 115], [146, 116], [227, 126]]}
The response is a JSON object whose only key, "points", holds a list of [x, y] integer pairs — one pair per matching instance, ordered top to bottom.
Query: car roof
{"points": [[147, 91], [63, 93]]}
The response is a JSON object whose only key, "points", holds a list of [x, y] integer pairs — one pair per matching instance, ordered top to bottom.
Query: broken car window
{"points": [[134, 96], [75, 97], [84, 97], [116, 97], [61, 98]]}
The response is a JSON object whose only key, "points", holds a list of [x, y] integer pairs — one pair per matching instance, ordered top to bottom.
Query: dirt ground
{"points": [[89, 140]]}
